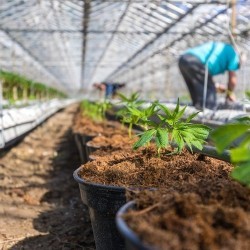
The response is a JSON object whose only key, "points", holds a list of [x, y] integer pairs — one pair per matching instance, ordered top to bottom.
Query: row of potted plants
{"points": [[17, 87], [164, 168]]}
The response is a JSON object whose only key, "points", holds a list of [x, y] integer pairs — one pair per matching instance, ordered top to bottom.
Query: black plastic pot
{"points": [[81, 141], [90, 149], [103, 203], [132, 242]]}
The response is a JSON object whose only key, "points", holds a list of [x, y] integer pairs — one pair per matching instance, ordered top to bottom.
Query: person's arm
{"points": [[232, 82]]}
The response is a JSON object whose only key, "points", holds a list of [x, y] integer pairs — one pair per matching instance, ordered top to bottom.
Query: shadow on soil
{"points": [[67, 226]]}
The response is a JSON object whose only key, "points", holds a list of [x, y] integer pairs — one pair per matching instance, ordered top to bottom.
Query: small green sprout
{"points": [[132, 100], [103, 108], [94, 110], [125, 113], [171, 129]]}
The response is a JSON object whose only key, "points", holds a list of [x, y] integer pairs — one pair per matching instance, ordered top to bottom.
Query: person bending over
{"points": [[218, 57], [109, 88]]}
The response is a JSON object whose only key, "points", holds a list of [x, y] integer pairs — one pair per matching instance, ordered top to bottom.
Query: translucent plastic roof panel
{"points": [[70, 44]]}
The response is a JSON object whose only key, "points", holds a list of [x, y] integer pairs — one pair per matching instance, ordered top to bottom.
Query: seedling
{"points": [[131, 101], [103, 107], [95, 110], [126, 114], [140, 116], [172, 130], [236, 133]]}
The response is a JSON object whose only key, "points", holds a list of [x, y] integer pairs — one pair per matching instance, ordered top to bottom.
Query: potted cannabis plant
{"points": [[91, 122], [119, 139], [151, 163], [210, 214]]}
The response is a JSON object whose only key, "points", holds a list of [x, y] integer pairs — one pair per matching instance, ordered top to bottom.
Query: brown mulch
{"points": [[86, 126], [143, 168], [40, 201], [196, 206], [199, 207], [188, 220]]}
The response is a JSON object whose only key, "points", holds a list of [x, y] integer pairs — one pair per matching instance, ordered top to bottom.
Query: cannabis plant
{"points": [[103, 107], [95, 110], [125, 113], [139, 116], [173, 130], [236, 137]]}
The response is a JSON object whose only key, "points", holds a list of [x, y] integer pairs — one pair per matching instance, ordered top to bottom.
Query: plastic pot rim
{"points": [[88, 144], [84, 182], [125, 230]]}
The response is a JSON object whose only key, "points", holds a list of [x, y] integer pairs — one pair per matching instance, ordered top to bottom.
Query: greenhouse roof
{"points": [[70, 44]]}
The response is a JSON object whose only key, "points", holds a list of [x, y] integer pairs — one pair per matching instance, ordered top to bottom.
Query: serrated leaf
{"points": [[123, 97], [176, 110], [134, 111], [166, 111], [180, 114], [192, 116], [199, 126], [199, 132], [187, 135], [225, 135], [145, 138], [162, 138], [178, 140], [189, 144], [197, 144]]}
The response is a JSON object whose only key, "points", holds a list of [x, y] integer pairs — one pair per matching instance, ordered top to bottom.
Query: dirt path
{"points": [[40, 206]]}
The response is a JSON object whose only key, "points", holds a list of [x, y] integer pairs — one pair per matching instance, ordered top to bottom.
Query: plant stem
{"points": [[130, 130]]}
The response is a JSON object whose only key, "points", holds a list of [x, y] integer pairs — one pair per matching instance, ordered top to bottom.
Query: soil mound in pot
{"points": [[84, 125], [114, 141], [105, 145], [142, 168], [201, 207], [187, 220]]}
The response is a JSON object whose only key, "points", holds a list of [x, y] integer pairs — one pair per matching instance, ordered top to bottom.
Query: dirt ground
{"points": [[40, 205]]}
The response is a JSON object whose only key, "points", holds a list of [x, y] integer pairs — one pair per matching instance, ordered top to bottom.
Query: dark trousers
{"points": [[193, 72]]}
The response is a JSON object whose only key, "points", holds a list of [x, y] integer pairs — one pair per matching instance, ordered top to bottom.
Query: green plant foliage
{"points": [[11, 80], [248, 94], [132, 100], [95, 110], [130, 113], [172, 130], [226, 136]]}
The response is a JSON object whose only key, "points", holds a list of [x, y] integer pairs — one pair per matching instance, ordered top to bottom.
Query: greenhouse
{"points": [[125, 124]]}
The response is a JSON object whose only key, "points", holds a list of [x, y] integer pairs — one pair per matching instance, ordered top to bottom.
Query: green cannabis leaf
{"points": [[95, 110], [130, 113], [171, 129], [236, 137]]}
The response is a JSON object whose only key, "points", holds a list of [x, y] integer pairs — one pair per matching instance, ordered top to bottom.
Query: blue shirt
{"points": [[220, 57]]}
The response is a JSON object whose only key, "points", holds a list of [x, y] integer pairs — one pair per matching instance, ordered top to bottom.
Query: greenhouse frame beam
{"points": [[170, 1], [86, 12], [89, 31], [180, 38], [110, 40], [153, 40], [36, 60]]}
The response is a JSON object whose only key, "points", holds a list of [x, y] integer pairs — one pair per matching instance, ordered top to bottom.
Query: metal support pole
{"points": [[2, 141]]}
